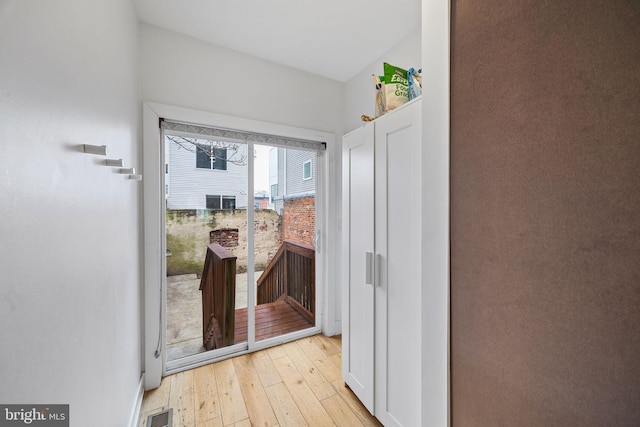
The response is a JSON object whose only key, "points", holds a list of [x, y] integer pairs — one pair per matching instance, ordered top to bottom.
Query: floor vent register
{"points": [[161, 419]]}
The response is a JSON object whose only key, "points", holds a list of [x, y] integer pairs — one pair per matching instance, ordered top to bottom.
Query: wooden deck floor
{"points": [[272, 319]]}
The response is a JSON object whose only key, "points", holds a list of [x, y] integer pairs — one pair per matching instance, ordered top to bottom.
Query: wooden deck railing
{"points": [[290, 276], [218, 286]]}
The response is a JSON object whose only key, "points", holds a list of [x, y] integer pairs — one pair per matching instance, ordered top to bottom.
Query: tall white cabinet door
{"points": [[398, 198], [358, 250]]}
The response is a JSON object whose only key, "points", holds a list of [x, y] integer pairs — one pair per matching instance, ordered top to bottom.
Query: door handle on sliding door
{"points": [[377, 261], [370, 268]]}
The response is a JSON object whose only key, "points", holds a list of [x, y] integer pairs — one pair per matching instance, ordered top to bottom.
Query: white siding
{"points": [[282, 164], [286, 170], [273, 179], [280, 179], [295, 182], [189, 186]]}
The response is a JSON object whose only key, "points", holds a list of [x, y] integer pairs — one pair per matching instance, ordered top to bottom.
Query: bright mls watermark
{"points": [[34, 415]]}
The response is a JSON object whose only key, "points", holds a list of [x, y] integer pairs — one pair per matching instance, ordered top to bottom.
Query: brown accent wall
{"points": [[545, 213]]}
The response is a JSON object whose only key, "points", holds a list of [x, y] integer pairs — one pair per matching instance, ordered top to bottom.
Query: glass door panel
{"points": [[206, 244], [284, 253]]}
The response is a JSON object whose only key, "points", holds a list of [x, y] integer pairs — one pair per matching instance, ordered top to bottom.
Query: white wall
{"points": [[185, 72], [359, 93], [70, 283]]}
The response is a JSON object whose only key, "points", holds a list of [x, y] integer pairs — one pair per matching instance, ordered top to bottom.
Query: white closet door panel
{"points": [[398, 233], [358, 248]]}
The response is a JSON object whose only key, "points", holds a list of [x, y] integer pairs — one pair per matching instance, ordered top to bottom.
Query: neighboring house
{"points": [[292, 174], [206, 176], [292, 182], [261, 200]]}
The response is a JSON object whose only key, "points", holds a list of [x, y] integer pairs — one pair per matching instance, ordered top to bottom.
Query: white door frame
{"points": [[436, 23], [155, 365]]}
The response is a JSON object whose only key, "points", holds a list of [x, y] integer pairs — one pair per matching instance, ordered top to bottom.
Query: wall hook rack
{"points": [[100, 150], [114, 162]]}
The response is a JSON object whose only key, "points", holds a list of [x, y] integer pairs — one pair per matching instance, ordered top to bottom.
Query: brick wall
{"points": [[299, 219], [225, 237]]}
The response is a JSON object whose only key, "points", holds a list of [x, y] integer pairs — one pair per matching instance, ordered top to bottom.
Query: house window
{"points": [[208, 157], [306, 170], [274, 191], [213, 202], [217, 202], [228, 202]]}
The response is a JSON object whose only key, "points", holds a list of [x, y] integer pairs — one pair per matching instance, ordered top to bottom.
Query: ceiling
{"points": [[332, 38]]}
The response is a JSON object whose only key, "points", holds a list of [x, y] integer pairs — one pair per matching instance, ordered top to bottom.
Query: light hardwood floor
{"points": [[294, 384]]}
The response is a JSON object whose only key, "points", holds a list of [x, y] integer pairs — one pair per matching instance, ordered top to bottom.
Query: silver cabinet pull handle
{"points": [[369, 268]]}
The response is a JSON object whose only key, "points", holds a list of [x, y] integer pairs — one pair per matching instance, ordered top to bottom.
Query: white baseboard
{"points": [[334, 328], [135, 415]]}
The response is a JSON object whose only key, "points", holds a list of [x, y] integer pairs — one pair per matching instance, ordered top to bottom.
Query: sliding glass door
{"points": [[240, 235]]}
